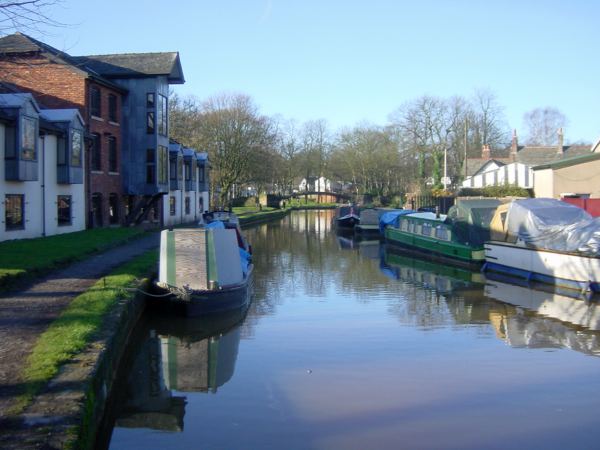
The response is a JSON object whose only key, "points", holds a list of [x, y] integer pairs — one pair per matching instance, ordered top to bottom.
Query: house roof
{"points": [[21, 44], [136, 65], [17, 100], [61, 115], [531, 156], [535, 156], [567, 162], [474, 165]]}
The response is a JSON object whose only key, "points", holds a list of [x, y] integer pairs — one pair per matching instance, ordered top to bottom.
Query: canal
{"points": [[347, 345]]}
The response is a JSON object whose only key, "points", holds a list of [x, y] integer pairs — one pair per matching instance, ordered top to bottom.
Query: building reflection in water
{"points": [[521, 316], [185, 357]]}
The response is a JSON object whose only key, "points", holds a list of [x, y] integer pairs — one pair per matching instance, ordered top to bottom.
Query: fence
{"points": [[591, 205]]}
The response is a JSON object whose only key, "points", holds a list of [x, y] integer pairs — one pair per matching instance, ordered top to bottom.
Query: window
{"points": [[150, 100], [95, 102], [113, 111], [162, 115], [150, 122], [28, 138], [76, 147], [96, 152], [113, 163], [163, 164], [150, 166], [173, 168], [179, 168], [188, 172], [201, 174], [63, 203], [172, 205], [187, 205], [113, 208], [97, 209], [14, 215], [426, 229], [441, 233]]}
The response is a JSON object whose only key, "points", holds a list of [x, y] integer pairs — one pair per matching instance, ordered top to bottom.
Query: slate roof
{"points": [[21, 44], [135, 65], [102, 67], [532, 156], [535, 156], [567, 162]]}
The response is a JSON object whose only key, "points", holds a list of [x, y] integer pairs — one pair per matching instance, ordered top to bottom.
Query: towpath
{"points": [[25, 314]]}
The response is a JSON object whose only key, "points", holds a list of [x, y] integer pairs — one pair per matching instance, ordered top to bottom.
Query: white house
{"points": [[516, 169], [42, 174], [320, 184], [188, 196]]}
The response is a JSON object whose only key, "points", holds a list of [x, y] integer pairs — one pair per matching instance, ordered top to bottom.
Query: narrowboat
{"points": [[346, 217], [368, 224], [458, 236], [546, 240], [206, 269]]}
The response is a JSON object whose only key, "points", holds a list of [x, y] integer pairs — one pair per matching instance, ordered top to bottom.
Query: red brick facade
{"points": [[57, 85]]}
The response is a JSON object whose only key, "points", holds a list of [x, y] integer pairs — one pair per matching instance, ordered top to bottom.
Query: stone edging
{"points": [[68, 413]]}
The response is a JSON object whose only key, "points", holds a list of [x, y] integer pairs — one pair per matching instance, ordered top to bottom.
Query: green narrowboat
{"points": [[458, 236]]}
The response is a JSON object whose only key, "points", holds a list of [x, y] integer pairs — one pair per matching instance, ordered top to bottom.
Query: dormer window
{"points": [[28, 139], [76, 148], [21, 150], [70, 157]]}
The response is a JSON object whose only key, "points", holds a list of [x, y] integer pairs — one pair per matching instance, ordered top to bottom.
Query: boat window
{"points": [[404, 225], [411, 227], [426, 229], [441, 233]]}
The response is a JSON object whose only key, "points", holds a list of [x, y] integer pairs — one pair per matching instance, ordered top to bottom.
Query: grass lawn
{"points": [[26, 257], [76, 326]]}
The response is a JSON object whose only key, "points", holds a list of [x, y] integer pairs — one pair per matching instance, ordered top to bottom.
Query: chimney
{"points": [[560, 141], [514, 146], [485, 152]]}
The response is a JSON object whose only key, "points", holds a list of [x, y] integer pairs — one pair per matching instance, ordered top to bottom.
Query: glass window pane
{"points": [[28, 138]]}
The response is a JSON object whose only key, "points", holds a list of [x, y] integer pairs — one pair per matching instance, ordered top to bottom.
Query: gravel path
{"points": [[25, 315]]}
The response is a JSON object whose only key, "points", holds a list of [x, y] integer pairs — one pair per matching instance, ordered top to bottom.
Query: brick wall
{"points": [[53, 85], [56, 85], [105, 182]]}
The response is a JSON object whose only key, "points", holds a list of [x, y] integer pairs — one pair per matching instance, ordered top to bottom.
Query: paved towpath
{"points": [[25, 314]]}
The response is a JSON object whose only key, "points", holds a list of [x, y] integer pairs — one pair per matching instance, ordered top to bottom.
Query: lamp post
{"points": [[445, 179]]}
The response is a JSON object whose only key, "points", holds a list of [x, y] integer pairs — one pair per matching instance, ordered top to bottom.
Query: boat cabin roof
{"points": [[426, 216]]}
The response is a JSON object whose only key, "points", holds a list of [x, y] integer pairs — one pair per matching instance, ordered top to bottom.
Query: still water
{"points": [[350, 346]]}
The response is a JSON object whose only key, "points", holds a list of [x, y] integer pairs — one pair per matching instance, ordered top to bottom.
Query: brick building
{"points": [[57, 80], [123, 99]]}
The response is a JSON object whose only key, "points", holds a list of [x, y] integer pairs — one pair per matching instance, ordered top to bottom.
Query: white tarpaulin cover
{"points": [[553, 224]]}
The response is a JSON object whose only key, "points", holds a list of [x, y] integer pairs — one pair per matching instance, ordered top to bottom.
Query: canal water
{"points": [[348, 345]]}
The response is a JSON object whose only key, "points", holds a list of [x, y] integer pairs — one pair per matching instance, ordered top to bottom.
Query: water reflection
{"points": [[522, 316], [544, 319], [362, 347], [177, 356]]}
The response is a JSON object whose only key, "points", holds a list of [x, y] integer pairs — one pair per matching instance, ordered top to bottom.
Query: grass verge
{"points": [[31, 257], [76, 326]]}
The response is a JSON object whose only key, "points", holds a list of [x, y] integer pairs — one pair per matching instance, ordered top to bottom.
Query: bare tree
{"points": [[27, 15], [542, 125], [234, 133]]}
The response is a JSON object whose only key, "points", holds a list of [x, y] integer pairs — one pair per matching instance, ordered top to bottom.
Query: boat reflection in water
{"points": [[400, 265], [521, 316], [543, 318], [178, 356]]}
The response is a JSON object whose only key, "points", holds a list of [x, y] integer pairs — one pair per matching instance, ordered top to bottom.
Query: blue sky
{"points": [[355, 61]]}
